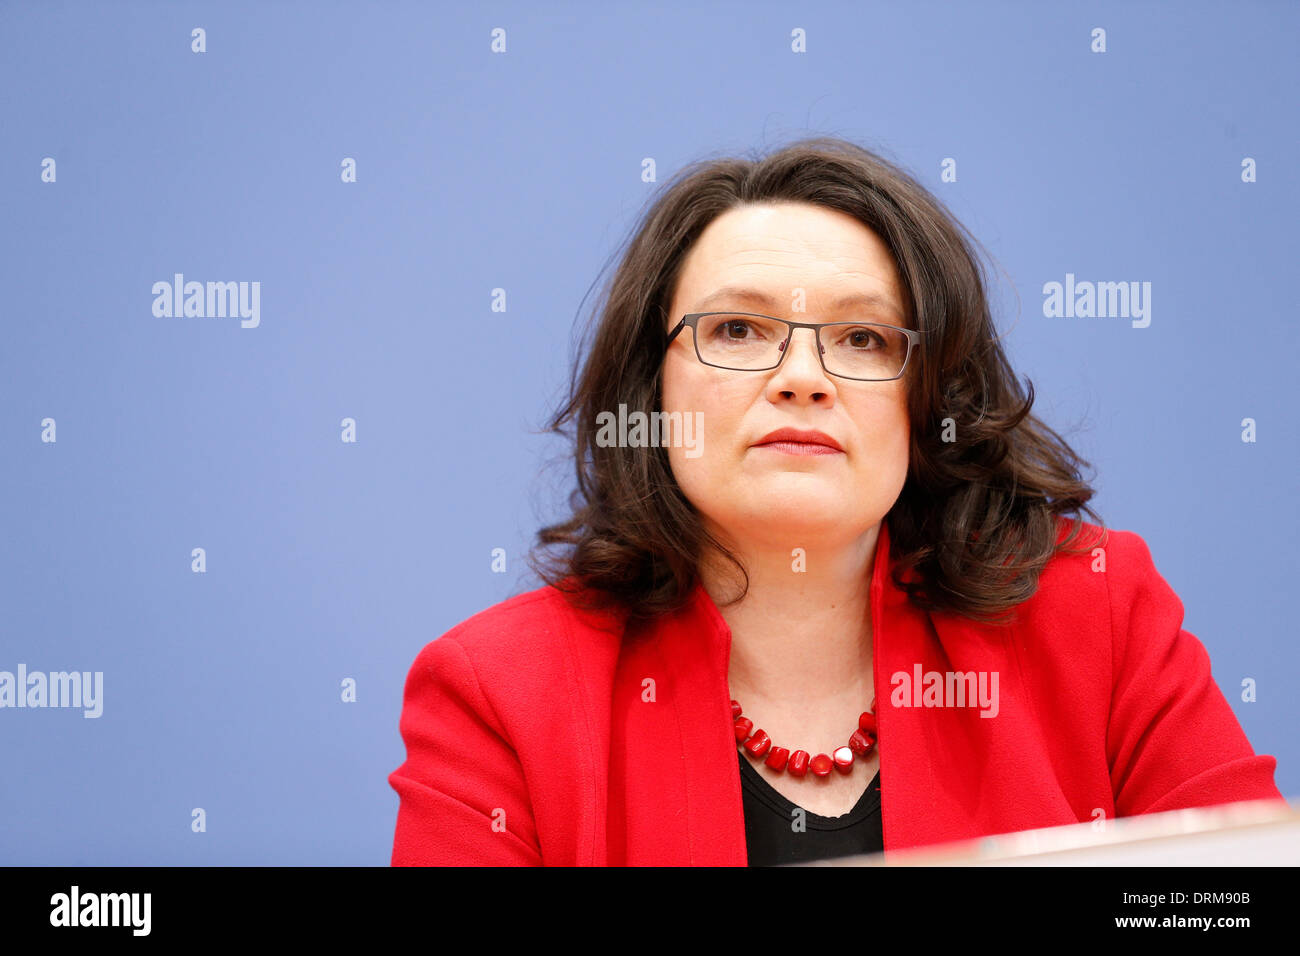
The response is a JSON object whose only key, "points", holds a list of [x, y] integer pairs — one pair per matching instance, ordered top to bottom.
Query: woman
{"points": [[819, 594]]}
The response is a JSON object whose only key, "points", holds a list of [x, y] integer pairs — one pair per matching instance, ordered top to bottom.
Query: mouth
{"points": [[794, 441]]}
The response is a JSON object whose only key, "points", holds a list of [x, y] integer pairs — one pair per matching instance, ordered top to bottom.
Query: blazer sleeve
{"points": [[1172, 740], [463, 799]]}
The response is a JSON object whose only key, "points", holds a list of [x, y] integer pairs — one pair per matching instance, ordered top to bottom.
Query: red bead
{"points": [[743, 726], [861, 743], [757, 745], [843, 759], [798, 765]]}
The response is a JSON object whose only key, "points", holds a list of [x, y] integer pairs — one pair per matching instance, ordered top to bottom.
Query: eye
{"points": [[734, 330], [861, 337]]}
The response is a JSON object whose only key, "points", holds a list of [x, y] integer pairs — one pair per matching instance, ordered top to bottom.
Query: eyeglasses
{"points": [[745, 341]]}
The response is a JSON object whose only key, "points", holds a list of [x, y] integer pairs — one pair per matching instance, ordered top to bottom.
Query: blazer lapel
{"points": [[673, 764]]}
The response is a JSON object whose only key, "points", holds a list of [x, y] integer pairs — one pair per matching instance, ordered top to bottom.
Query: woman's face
{"points": [[801, 258]]}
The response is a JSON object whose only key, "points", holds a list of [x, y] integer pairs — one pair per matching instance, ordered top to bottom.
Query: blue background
{"points": [[522, 171]]}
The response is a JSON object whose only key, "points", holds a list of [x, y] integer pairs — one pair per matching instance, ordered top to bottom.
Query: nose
{"points": [[800, 374]]}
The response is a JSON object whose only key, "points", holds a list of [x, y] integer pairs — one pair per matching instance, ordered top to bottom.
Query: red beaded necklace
{"points": [[758, 743]]}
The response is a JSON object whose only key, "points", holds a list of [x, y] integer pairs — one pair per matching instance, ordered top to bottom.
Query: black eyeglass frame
{"points": [[692, 318]]}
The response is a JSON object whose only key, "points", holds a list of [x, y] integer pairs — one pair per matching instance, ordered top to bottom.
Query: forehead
{"points": [[766, 256], [732, 295]]}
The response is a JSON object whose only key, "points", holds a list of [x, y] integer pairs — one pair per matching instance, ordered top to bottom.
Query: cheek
{"points": [[675, 386], [690, 388], [679, 394], [718, 407], [892, 413], [884, 430], [896, 437]]}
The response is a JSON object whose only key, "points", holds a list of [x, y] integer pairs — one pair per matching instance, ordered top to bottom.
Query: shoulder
{"points": [[1097, 564], [1109, 566], [1096, 590], [1103, 599], [1102, 616], [532, 618], [532, 623], [528, 645]]}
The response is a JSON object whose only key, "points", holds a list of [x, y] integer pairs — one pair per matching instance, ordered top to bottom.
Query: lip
{"points": [[791, 438]]}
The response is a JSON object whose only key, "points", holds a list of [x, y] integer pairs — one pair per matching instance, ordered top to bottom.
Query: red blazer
{"points": [[531, 738]]}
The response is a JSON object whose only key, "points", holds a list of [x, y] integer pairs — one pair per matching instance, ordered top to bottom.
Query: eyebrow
{"points": [[871, 299]]}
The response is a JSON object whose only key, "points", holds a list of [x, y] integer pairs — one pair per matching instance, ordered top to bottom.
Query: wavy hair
{"points": [[977, 519]]}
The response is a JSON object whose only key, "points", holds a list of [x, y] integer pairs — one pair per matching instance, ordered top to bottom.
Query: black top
{"points": [[771, 838]]}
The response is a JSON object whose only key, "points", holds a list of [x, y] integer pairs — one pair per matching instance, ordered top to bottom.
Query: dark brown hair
{"points": [[978, 517]]}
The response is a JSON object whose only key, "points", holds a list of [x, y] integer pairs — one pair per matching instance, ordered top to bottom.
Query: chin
{"points": [[797, 488], [791, 525]]}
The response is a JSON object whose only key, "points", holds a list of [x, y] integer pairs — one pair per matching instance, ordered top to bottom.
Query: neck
{"points": [[798, 635]]}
